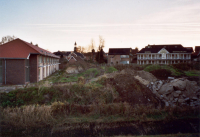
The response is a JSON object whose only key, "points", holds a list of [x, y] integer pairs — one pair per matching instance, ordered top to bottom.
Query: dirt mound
{"points": [[79, 62], [161, 73], [146, 75], [132, 91]]}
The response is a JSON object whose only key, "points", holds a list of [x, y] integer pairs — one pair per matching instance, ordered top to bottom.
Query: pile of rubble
{"points": [[176, 92]]}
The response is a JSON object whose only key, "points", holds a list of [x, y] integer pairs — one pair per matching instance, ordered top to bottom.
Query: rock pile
{"points": [[173, 92]]}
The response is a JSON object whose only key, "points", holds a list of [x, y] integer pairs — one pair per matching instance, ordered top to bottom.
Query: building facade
{"points": [[164, 54], [120, 56], [22, 62]]}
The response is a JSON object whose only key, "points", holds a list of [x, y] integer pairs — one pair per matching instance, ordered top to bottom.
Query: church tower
{"points": [[75, 48]]}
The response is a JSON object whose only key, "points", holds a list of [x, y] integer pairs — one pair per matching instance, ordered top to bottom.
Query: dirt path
{"points": [[107, 75], [10, 88]]}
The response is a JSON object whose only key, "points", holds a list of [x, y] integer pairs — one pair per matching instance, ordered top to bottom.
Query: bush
{"points": [[182, 66]]}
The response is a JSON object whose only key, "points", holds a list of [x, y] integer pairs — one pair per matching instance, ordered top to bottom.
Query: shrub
{"points": [[182, 66], [111, 70]]}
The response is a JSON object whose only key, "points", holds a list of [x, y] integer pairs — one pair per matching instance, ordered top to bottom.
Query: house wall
{"points": [[170, 58], [116, 59], [72, 60], [33, 62], [46, 66], [15, 71]]}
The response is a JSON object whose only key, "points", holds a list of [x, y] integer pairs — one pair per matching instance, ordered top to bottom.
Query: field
{"points": [[108, 97]]}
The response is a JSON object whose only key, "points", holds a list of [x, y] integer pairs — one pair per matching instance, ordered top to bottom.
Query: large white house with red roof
{"points": [[22, 62]]}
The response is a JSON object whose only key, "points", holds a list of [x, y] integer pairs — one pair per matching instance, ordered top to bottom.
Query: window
{"points": [[124, 56], [40, 59], [44, 59], [124, 62]]}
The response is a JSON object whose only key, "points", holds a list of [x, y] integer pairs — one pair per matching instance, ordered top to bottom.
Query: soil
{"points": [[161, 74], [132, 91]]}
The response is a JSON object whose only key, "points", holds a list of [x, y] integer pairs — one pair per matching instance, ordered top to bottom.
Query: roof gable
{"points": [[171, 48], [21, 49], [163, 50]]}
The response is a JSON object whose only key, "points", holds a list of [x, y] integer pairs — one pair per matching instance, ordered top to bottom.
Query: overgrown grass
{"points": [[174, 71], [77, 93], [65, 113]]}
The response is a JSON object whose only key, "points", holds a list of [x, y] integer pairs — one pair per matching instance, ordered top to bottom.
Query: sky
{"points": [[56, 24]]}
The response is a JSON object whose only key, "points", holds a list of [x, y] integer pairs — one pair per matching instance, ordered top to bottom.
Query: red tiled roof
{"points": [[21, 49]]}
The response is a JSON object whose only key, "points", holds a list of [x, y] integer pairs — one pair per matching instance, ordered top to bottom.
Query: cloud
{"points": [[188, 13]]}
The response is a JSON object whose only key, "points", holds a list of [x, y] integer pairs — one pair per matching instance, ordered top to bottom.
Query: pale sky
{"points": [[57, 24]]}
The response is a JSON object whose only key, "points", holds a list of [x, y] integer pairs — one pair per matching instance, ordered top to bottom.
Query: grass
{"points": [[110, 70], [174, 71], [192, 73], [63, 77]]}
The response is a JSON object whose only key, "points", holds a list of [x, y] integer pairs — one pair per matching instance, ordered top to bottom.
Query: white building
{"points": [[164, 54]]}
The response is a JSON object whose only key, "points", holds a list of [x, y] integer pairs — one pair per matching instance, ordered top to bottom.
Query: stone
{"points": [[170, 78], [179, 84], [191, 86], [166, 89], [178, 92], [176, 95], [171, 98], [194, 98], [175, 99], [186, 99], [181, 100], [167, 104]]}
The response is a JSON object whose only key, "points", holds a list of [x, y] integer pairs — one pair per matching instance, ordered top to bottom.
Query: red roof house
{"points": [[22, 62]]}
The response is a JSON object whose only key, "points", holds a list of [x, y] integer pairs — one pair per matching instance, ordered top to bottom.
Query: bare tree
{"points": [[6, 39], [101, 43], [100, 53]]}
